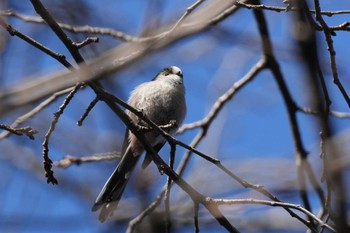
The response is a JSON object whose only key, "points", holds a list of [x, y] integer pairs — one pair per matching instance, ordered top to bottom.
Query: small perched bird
{"points": [[162, 101]]}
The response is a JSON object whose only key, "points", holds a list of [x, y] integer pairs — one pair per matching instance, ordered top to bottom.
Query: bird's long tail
{"points": [[112, 191]]}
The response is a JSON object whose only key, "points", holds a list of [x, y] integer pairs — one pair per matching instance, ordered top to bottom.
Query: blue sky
{"points": [[252, 129]]}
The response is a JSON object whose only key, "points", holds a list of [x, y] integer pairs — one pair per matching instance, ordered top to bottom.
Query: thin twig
{"points": [[285, 9], [179, 21], [73, 28], [14, 32], [87, 41], [69, 43], [332, 58], [227, 96], [35, 110], [87, 111], [28, 131], [69, 160], [47, 161], [272, 203]]}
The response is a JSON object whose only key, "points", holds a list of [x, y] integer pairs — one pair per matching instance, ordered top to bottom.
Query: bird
{"points": [[162, 100]]}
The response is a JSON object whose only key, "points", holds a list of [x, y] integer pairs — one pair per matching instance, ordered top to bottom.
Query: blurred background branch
{"points": [[244, 121]]}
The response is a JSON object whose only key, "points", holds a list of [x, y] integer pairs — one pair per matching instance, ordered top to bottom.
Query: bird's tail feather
{"points": [[112, 191]]}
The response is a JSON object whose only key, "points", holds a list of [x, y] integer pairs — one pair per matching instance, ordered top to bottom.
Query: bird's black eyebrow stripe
{"points": [[167, 69]]}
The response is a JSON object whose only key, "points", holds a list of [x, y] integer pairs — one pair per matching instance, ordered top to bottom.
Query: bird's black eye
{"points": [[179, 73]]}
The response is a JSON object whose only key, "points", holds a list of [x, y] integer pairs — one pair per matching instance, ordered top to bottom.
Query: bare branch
{"points": [[286, 9], [73, 28], [14, 32], [329, 40], [87, 41], [222, 100], [35, 110], [87, 111], [28, 131], [47, 160], [69, 160], [272, 203]]}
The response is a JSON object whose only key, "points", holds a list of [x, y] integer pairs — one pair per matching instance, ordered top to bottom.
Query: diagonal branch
{"points": [[14, 32], [328, 34], [116, 58], [225, 98]]}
